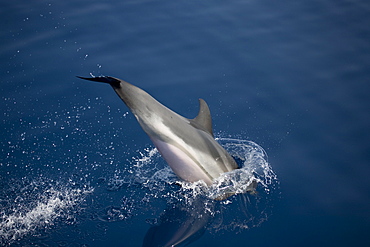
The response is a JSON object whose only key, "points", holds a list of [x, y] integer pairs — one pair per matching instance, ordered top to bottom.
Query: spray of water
{"points": [[37, 205]]}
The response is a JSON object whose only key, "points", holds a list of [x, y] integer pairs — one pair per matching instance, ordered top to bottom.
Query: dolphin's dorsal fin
{"points": [[203, 120]]}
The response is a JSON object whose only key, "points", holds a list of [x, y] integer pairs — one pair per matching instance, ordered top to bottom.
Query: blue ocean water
{"points": [[290, 76]]}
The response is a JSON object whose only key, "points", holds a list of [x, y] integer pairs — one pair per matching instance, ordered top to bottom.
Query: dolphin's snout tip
{"points": [[105, 79]]}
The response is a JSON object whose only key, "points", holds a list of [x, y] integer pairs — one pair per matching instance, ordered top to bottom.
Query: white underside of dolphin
{"points": [[187, 145]]}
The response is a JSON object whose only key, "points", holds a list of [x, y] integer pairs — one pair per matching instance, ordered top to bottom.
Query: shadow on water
{"points": [[183, 223], [180, 224]]}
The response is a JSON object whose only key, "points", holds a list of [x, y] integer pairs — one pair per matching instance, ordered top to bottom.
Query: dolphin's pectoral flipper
{"points": [[105, 79], [203, 120]]}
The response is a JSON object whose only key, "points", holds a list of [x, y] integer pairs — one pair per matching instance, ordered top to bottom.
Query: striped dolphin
{"points": [[187, 145]]}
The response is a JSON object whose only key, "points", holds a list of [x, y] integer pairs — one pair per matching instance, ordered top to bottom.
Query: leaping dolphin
{"points": [[187, 145]]}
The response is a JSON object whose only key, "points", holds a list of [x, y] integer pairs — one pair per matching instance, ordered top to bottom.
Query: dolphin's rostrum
{"points": [[187, 145]]}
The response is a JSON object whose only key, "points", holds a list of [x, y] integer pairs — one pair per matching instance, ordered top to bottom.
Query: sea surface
{"points": [[288, 86]]}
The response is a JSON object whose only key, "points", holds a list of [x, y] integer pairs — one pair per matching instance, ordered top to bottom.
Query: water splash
{"points": [[254, 168], [254, 171], [248, 189], [36, 205]]}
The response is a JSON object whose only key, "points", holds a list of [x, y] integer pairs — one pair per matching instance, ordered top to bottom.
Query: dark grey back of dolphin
{"points": [[187, 145]]}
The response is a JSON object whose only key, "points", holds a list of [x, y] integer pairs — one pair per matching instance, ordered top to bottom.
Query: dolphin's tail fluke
{"points": [[106, 79]]}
